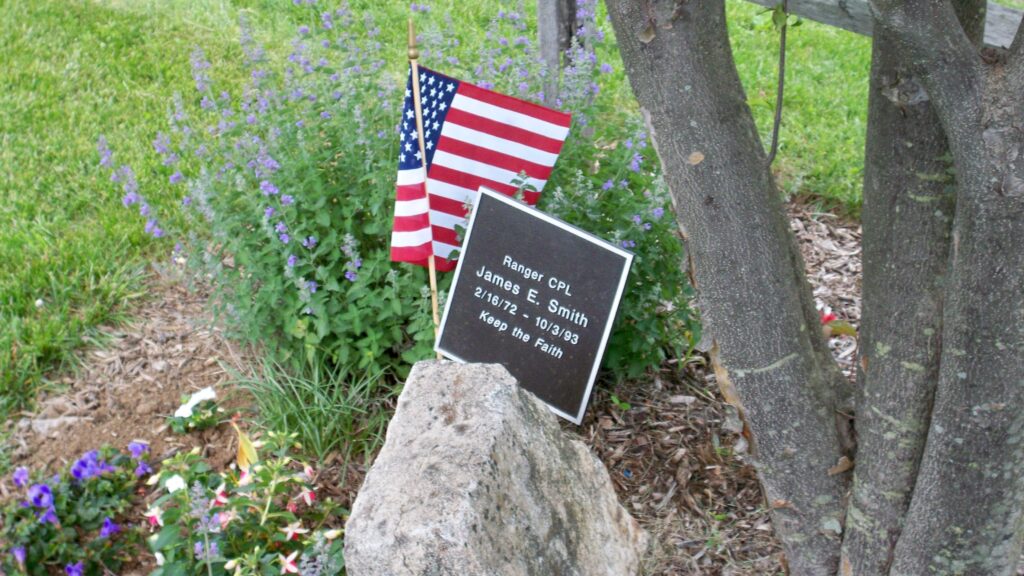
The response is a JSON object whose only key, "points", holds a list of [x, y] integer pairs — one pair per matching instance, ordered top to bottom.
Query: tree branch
{"points": [[939, 49]]}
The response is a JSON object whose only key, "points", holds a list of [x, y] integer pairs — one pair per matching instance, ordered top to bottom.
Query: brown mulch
{"points": [[126, 390], [677, 457]]}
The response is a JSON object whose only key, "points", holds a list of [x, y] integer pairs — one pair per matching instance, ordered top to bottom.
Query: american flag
{"points": [[473, 137]]}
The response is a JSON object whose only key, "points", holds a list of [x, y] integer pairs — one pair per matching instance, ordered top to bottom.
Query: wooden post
{"points": [[414, 55]]}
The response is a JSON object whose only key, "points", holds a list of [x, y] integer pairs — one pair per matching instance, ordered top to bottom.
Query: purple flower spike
{"points": [[303, 30], [176, 177], [607, 185], [268, 188], [287, 199], [269, 212], [658, 212], [637, 219], [280, 227], [285, 238], [292, 260], [351, 276], [137, 449], [20, 477], [109, 528], [76, 569]]}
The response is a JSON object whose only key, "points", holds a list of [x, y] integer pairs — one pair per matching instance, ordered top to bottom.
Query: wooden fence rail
{"points": [[854, 15]]}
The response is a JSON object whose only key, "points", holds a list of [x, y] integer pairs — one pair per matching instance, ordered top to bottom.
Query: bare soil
{"points": [[676, 455]]}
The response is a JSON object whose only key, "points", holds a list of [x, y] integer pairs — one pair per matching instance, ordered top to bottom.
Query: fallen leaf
{"points": [[695, 158]]}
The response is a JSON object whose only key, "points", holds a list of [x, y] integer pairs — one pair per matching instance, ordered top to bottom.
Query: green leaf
{"points": [[169, 536]]}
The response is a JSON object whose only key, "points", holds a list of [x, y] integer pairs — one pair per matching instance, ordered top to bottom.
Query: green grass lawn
{"points": [[75, 69]]}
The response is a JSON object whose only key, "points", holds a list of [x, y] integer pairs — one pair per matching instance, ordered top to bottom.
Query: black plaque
{"points": [[536, 295]]}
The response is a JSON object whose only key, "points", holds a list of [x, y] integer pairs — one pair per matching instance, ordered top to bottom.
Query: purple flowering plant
{"points": [[290, 186], [72, 522]]}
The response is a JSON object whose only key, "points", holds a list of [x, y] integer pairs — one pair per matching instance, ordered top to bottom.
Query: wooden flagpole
{"points": [[414, 55]]}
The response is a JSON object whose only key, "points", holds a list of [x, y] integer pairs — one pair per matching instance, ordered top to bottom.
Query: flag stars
{"points": [[451, 86], [409, 114], [430, 144], [408, 147], [418, 156]]}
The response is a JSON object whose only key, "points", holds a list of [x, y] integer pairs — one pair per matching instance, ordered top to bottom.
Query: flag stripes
{"points": [[473, 137]]}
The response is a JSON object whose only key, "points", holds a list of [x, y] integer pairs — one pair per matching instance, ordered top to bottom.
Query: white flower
{"points": [[39, 303], [185, 410], [174, 483], [159, 558]]}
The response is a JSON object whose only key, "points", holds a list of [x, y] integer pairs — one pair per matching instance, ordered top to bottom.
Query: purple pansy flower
{"points": [[351, 276], [137, 449], [142, 469], [20, 477], [40, 495], [49, 516], [109, 528], [76, 569]]}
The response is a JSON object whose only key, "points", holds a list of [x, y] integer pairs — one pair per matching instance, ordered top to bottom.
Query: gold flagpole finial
{"points": [[414, 52]]}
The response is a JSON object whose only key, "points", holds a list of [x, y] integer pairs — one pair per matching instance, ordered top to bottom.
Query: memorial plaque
{"points": [[536, 295]]}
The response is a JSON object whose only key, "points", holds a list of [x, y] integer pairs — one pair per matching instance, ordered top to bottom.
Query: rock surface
{"points": [[476, 477]]}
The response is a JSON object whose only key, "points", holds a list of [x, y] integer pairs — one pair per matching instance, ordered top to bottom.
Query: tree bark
{"points": [[556, 24], [680, 67], [909, 200]]}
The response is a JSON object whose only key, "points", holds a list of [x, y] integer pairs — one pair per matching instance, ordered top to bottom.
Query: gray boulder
{"points": [[476, 478]]}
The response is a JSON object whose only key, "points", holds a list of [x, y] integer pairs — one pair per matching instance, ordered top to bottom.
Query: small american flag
{"points": [[473, 137]]}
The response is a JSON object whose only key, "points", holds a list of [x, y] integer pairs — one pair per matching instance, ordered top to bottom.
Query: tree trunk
{"points": [[556, 24], [680, 66], [909, 200], [967, 509]]}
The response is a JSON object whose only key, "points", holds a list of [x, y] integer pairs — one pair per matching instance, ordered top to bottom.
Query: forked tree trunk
{"points": [[909, 200], [944, 289], [754, 297], [968, 503]]}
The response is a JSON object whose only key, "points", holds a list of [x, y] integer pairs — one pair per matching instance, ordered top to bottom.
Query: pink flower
{"points": [[827, 317], [307, 495], [220, 496], [155, 517], [292, 531], [288, 563]]}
